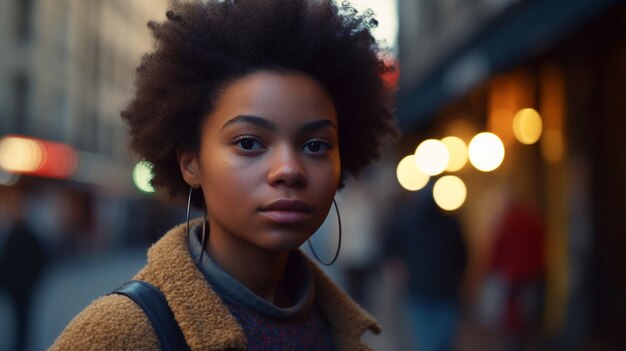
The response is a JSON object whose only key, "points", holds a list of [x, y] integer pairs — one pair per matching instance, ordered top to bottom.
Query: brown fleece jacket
{"points": [[114, 322]]}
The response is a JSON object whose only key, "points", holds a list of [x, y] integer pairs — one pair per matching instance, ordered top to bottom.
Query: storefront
{"points": [[564, 165]]}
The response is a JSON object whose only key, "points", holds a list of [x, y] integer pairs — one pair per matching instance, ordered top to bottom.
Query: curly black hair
{"points": [[202, 46]]}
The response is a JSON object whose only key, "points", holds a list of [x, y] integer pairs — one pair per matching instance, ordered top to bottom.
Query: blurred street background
{"points": [[497, 221]]}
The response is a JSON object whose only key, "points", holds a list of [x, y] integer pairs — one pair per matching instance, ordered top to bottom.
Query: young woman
{"points": [[254, 111]]}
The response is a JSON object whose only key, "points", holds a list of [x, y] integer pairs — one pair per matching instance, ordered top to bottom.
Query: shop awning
{"points": [[525, 30]]}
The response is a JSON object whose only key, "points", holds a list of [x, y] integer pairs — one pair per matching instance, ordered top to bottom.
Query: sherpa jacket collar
{"points": [[207, 323]]}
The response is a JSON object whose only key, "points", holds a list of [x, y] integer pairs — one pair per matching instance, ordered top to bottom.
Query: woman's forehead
{"points": [[276, 98]]}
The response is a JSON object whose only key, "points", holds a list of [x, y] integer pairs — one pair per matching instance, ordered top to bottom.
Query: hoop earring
{"points": [[203, 224], [338, 244]]}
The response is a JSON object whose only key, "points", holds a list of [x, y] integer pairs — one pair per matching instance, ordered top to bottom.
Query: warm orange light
{"points": [[527, 126], [486, 151], [458, 153], [20, 155], [32, 156], [432, 157], [409, 176], [449, 192]]}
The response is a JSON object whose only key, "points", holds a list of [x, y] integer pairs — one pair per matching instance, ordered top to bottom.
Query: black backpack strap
{"points": [[153, 303]]}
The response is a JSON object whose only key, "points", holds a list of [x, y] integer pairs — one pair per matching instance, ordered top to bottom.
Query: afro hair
{"points": [[202, 46]]}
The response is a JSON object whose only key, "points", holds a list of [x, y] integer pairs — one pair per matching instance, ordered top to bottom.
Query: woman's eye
{"points": [[248, 143], [316, 147]]}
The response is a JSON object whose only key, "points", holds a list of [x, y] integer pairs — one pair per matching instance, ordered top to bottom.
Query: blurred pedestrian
{"points": [[243, 109], [429, 245], [22, 260], [512, 296]]}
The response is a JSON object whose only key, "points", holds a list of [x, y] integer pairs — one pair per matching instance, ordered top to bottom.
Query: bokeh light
{"points": [[527, 126], [486, 151], [458, 153], [20, 155], [25, 155], [432, 157], [60, 160], [142, 174], [409, 176], [449, 192]]}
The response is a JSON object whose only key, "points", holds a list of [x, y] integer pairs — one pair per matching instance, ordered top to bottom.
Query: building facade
{"points": [[66, 71]]}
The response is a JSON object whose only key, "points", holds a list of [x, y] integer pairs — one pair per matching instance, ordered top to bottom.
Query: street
{"points": [[66, 289]]}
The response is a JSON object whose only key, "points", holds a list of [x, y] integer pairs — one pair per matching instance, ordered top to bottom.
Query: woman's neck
{"points": [[259, 270]]}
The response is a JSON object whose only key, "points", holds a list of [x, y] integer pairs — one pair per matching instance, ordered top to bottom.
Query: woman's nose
{"points": [[286, 168]]}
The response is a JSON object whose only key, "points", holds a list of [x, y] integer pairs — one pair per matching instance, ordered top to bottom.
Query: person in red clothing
{"points": [[518, 259]]}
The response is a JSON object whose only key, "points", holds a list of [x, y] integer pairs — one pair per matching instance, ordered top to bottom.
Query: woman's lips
{"points": [[286, 211], [285, 216]]}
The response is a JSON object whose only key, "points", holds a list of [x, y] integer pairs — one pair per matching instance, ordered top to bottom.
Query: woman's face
{"points": [[268, 161]]}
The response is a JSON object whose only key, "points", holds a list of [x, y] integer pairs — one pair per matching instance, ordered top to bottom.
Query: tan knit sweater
{"points": [[114, 322]]}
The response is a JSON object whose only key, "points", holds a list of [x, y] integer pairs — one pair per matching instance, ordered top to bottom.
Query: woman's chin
{"points": [[284, 243]]}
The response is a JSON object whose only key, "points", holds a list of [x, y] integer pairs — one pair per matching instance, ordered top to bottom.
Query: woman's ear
{"points": [[188, 162]]}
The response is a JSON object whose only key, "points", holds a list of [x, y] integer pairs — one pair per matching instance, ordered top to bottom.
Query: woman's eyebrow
{"points": [[258, 121], [263, 123], [324, 123]]}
